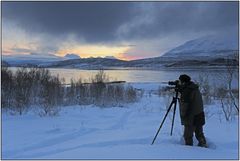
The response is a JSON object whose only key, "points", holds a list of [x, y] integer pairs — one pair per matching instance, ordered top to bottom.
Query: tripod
{"points": [[174, 101]]}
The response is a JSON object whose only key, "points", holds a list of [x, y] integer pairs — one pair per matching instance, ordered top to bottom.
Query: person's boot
{"points": [[189, 142], [202, 143]]}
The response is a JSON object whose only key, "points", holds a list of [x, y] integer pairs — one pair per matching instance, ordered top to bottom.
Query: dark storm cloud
{"points": [[182, 17], [93, 21], [107, 21], [21, 50]]}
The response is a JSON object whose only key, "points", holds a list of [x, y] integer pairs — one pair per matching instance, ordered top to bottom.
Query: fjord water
{"points": [[215, 76]]}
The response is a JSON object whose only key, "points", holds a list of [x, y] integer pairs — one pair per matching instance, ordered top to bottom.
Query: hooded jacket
{"points": [[191, 105]]}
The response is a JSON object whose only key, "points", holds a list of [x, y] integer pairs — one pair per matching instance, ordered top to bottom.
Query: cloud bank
{"points": [[118, 23]]}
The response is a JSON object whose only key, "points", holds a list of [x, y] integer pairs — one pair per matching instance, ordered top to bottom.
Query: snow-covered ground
{"points": [[90, 132]]}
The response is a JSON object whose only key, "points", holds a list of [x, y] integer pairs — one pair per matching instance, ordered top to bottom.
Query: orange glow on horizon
{"points": [[86, 51], [96, 51], [127, 57]]}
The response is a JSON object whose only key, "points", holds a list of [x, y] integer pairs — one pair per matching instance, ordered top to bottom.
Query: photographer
{"points": [[191, 111]]}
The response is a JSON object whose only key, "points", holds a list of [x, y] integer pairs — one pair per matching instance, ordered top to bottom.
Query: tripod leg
{"points": [[174, 111], [162, 122]]}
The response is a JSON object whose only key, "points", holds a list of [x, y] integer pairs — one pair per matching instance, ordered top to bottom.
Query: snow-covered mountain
{"points": [[211, 45], [205, 51], [72, 56], [110, 57], [33, 59], [36, 59], [87, 63]]}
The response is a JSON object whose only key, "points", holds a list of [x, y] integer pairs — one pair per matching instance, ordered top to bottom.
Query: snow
{"points": [[210, 45], [72, 56], [110, 57], [37, 58], [90, 132]]}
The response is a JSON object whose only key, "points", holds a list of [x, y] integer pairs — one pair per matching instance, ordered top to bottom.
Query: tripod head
{"points": [[175, 85]]}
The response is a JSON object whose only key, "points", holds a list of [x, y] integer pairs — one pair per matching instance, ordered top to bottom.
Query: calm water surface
{"points": [[157, 76]]}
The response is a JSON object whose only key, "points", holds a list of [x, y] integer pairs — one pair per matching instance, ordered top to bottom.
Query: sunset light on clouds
{"points": [[99, 29], [86, 51]]}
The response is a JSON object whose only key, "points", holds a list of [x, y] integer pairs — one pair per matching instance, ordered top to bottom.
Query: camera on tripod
{"points": [[174, 83], [173, 104]]}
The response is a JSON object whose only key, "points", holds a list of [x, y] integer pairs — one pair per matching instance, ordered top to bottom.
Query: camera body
{"points": [[174, 83]]}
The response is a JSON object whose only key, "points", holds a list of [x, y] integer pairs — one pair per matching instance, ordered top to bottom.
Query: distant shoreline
{"points": [[187, 68]]}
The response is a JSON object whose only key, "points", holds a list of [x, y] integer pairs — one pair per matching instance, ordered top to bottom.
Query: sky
{"points": [[125, 30]]}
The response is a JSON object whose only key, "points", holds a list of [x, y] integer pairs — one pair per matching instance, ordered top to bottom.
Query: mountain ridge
{"points": [[211, 45], [209, 51]]}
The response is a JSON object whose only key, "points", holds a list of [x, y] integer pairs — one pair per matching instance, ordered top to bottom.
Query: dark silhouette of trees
{"points": [[29, 87]]}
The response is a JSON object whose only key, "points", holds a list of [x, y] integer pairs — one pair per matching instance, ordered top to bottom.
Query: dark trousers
{"points": [[188, 134]]}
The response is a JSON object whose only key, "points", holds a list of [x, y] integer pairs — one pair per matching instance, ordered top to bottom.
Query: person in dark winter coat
{"points": [[191, 111]]}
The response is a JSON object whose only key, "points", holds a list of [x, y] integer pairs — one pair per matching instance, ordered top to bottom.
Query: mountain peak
{"points": [[72, 56], [110, 57]]}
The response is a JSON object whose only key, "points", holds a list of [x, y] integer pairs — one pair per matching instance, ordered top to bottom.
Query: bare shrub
{"points": [[232, 72], [100, 77], [32, 86], [36, 86], [6, 88], [205, 88], [22, 90], [70, 93], [83, 93], [102, 93], [167, 93], [226, 93], [118, 94], [131, 94], [113, 95], [51, 96], [227, 104]]}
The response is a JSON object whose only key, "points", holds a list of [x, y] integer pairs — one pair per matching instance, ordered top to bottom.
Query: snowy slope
{"points": [[212, 45], [71, 56], [110, 57], [30, 59], [36, 59], [89, 132]]}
